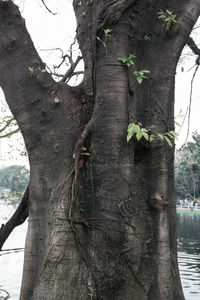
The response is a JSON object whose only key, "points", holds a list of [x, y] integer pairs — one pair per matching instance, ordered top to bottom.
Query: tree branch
{"points": [[48, 8], [191, 43], [70, 72], [23, 76], [7, 123], [9, 133], [19, 216]]}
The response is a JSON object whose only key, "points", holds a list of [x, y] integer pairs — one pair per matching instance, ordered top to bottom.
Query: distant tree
{"points": [[187, 170], [15, 178]]}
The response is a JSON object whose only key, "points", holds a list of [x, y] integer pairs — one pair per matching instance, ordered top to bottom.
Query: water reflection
{"points": [[189, 254]]}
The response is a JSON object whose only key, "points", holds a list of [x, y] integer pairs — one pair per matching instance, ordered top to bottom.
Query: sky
{"points": [[57, 31]]}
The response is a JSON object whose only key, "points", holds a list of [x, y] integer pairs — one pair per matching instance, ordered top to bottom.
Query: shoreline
{"points": [[187, 211]]}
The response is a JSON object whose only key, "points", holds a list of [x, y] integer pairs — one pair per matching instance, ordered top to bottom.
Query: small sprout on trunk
{"points": [[167, 17], [107, 32], [147, 38], [128, 61], [31, 69], [140, 75], [149, 134]]}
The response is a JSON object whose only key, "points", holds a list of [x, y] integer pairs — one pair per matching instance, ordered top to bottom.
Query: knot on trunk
{"points": [[4, 3], [174, 29], [9, 42], [44, 78], [157, 201]]}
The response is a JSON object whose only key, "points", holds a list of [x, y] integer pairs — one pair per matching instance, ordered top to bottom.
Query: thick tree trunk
{"points": [[101, 226]]}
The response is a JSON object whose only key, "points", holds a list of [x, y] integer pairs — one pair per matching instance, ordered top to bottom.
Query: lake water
{"points": [[189, 254], [11, 261]]}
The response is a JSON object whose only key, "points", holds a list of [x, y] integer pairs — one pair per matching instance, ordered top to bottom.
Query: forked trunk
{"points": [[102, 219]]}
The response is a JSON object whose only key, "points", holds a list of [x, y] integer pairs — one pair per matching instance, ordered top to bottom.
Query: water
{"points": [[189, 254], [11, 261]]}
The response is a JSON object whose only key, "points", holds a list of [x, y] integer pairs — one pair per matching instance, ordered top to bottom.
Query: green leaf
{"points": [[107, 32], [147, 38], [129, 63], [31, 69], [182, 69], [144, 71], [144, 77], [139, 79], [133, 128], [144, 130], [174, 133], [145, 135], [170, 135], [129, 136], [139, 136], [161, 136], [151, 137], [168, 141]]}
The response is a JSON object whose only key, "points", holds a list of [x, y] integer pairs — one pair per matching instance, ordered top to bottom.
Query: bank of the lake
{"points": [[188, 211]]}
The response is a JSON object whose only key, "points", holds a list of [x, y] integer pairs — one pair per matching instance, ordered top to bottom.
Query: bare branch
{"points": [[48, 8], [193, 46], [70, 72], [190, 103], [7, 124], [9, 133], [19, 216]]}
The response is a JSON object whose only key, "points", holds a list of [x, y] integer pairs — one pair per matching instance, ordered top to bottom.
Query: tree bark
{"points": [[102, 218]]}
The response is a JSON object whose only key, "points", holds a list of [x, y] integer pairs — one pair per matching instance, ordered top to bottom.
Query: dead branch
{"points": [[48, 8], [193, 46], [68, 75], [190, 103], [7, 124], [9, 133], [19, 216]]}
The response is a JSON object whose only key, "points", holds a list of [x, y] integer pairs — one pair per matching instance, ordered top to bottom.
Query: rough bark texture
{"points": [[101, 226]]}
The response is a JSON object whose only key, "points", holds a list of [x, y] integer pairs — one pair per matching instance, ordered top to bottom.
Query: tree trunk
{"points": [[102, 219]]}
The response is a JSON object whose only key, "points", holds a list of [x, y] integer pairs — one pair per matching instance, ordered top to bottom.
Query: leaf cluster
{"points": [[167, 17], [107, 32], [128, 61], [140, 75], [149, 134]]}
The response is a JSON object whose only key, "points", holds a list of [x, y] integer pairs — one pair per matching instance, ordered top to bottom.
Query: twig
{"points": [[48, 8], [193, 46], [68, 75], [190, 103], [7, 124], [9, 133]]}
